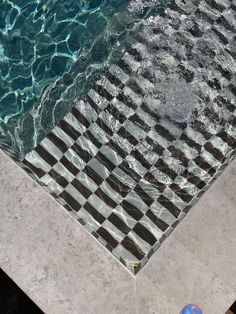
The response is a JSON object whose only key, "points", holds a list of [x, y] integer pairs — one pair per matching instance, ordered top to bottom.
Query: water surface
{"points": [[40, 41]]}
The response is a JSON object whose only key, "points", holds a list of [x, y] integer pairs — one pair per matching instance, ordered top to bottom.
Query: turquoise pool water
{"points": [[42, 40], [124, 112], [133, 156]]}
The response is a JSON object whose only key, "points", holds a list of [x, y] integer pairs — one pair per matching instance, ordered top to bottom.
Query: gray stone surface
{"points": [[65, 270]]}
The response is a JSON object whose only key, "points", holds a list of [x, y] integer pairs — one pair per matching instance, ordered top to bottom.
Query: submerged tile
{"points": [[163, 128]]}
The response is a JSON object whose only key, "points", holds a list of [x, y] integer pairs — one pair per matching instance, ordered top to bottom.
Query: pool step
{"points": [[137, 152]]}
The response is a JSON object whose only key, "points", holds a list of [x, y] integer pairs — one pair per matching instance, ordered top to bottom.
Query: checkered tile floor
{"points": [[133, 156]]}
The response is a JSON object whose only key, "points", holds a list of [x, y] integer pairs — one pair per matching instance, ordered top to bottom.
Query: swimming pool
{"points": [[39, 43], [136, 129]]}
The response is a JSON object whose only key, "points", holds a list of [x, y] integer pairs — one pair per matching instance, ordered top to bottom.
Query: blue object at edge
{"points": [[191, 309]]}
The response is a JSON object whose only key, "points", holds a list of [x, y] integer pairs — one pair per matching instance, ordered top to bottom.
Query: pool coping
{"points": [[47, 264]]}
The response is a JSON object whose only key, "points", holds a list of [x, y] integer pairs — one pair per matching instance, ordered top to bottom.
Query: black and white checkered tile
{"points": [[133, 156]]}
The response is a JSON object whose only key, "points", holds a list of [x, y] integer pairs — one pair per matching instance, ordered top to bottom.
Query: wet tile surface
{"points": [[137, 152], [55, 261]]}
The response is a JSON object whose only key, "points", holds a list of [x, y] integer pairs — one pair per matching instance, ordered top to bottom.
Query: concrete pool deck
{"points": [[64, 270]]}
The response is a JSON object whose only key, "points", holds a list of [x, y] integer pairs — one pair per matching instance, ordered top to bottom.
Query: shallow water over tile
{"points": [[132, 156]]}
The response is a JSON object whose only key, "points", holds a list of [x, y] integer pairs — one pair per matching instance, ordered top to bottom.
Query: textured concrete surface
{"points": [[64, 270]]}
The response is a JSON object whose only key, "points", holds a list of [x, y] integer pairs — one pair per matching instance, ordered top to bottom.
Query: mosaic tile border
{"points": [[114, 136]]}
